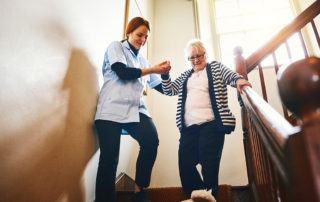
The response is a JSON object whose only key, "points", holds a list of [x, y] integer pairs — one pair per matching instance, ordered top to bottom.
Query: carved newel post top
{"points": [[237, 51], [240, 62], [299, 88]]}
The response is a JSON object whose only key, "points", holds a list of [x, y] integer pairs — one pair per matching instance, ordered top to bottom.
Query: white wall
{"points": [[301, 5], [50, 58]]}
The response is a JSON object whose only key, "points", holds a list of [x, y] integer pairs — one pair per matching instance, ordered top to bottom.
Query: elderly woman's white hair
{"points": [[195, 44]]}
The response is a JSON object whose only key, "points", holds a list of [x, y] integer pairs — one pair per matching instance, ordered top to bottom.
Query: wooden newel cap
{"points": [[237, 50], [299, 88]]}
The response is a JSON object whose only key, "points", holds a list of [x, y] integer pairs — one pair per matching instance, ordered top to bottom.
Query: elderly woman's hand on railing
{"points": [[241, 83]]}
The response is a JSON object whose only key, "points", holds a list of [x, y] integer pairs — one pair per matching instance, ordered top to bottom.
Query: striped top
{"points": [[219, 76]]}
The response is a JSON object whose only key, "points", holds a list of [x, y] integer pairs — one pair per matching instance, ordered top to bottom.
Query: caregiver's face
{"points": [[139, 36]]}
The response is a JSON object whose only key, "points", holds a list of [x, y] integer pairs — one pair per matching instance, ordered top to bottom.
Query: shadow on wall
{"points": [[82, 83], [47, 165]]}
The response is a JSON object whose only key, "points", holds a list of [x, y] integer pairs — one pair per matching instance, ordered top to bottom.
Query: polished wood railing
{"points": [[254, 61], [283, 157], [283, 161]]}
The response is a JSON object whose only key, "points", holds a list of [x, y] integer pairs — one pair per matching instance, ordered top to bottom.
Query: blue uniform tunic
{"points": [[121, 100]]}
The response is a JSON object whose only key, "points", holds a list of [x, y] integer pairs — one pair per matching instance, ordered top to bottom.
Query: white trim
{"points": [[196, 18], [213, 27]]}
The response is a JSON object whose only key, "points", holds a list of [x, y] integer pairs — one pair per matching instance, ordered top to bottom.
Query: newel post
{"points": [[240, 62], [241, 69], [299, 88]]}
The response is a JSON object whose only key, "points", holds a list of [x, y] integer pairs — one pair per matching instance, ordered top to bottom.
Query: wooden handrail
{"points": [[297, 24], [269, 117], [274, 128], [282, 159]]}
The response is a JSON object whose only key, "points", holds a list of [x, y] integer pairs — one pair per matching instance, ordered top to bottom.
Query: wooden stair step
{"points": [[227, 193], [173, 194]]}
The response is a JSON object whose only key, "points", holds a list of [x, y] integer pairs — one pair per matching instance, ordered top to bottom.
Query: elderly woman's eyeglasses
{"points": [[193, 58]]}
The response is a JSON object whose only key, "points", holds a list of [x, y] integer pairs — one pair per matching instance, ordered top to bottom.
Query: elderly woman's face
{"points": [[198, 59]]}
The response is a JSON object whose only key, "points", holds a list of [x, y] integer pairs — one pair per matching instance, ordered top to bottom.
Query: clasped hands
{"points": [[162, 68]]}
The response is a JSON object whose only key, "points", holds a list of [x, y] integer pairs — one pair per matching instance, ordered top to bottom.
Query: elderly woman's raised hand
{"points": [[162, 68], [241, 83]]}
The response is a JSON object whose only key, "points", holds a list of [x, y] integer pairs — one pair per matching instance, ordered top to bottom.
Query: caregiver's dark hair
{"points": [[134, 24]]}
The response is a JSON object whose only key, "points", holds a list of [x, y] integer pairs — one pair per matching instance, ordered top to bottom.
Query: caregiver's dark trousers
{"points": [[109, 133], [200, 145]]}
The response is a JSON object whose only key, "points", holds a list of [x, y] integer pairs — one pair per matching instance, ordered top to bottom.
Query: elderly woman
{"points": [[203, 116]]}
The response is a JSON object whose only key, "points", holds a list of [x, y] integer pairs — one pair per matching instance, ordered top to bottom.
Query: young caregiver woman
{"points": [[120, 106]]}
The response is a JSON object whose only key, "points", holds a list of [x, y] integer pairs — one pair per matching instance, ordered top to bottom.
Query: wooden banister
{"points": [[297, 24], [299, 83], [299, 88], [272, 121], [273, 129], [271, 142], [283, 161]]}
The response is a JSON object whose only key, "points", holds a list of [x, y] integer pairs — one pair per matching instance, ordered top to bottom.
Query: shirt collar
{"points": [[127, 45]]}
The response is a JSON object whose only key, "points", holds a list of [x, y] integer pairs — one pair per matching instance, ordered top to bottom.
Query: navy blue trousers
{"points": [[109, 133], [200, 146]]}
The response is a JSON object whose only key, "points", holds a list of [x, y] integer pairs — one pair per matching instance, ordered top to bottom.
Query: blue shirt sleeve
{"points": [[114, 53], [153, 81]]}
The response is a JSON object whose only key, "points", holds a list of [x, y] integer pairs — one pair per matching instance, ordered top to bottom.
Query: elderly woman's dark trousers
{"points": [[109, 133], [204, 148]]}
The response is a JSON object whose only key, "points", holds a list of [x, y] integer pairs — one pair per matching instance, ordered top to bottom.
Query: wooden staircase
{"points": [[282, 151], [227, 193], [240, 194]]}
